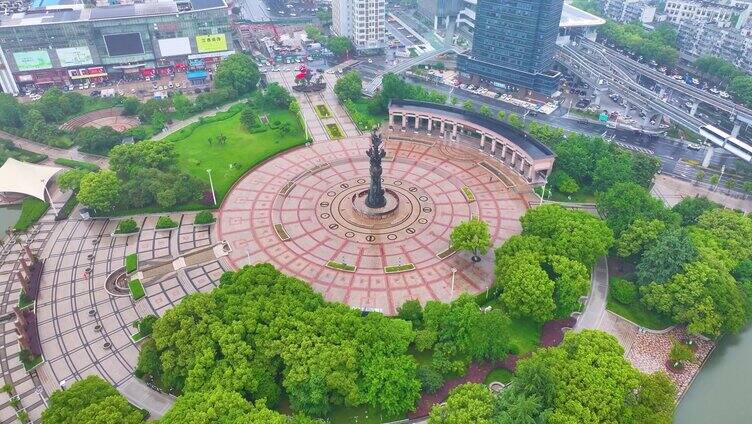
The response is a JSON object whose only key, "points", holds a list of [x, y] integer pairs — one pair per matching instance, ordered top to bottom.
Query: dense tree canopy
{"points": [[658, 44], [237, 72], [349, 86], [99, 190], [625, 202], [690, 208], [472, 235], [666, 257], [261, 327], [584, 380], [90, 401]]}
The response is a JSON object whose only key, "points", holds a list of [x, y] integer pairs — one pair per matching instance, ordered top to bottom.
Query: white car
{"points": [[693, 146]]}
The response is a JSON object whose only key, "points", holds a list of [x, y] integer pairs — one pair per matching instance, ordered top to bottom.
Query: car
{"points": [[370, 60], [95, 93], [724, 95], [693, 146]]}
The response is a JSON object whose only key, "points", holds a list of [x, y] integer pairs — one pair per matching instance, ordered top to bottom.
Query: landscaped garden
{"points": [[322, 111], [334, 131], [9, 150], [239, 151], [31, 210], [137, 289]]}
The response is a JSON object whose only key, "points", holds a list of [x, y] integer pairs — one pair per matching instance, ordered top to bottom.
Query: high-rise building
{"points": [[362, 21], [514, 44]]}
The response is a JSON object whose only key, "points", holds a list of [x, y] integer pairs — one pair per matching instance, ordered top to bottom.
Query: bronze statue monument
{"points": [[375, 197]]}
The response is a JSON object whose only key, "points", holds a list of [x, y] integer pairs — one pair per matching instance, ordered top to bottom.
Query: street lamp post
{"points": [[211, 184], [54, 208], [248, 255], [451, 295], [62, 384]]}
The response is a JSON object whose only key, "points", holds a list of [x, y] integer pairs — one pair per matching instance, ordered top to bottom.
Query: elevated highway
{"points": [[403, 66], [736, 111]]}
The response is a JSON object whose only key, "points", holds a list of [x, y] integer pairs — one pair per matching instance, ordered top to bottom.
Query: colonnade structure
{"points": [[515, 148]]}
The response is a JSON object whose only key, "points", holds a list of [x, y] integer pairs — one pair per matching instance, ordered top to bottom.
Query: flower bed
{"points": [[322, 111], [334, 131], [469, 196], [341, 266], [391, 269], [137, 289]]}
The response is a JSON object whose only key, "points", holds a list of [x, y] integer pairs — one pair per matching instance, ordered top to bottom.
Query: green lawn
{"points": [[9, 150], [242, 151], [77, 164], [584, 195], [31, 210], [131, 263], [137, 289], [638, 314], [525, 334], [499, 374], [361, 415]]}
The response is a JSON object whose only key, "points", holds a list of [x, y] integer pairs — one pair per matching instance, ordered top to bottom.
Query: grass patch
{"points": [[322, 111], [360, 112], [334, 131], [9, 150], [241, 152], [77, 164], [584, 195], [469, 196], [31, 210], [131, 263], [341, 266], [398, 268], [137, 289], [24, 301], [638, 314], [525, 335], [29, 361], [499, 374], [362, 414]]}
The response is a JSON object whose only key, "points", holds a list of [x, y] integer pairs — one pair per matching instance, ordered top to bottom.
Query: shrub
{"points": [[75, 164], [203, 217], [165, 222], [126, 226], [624, 291], [146, 325], [681, 353], [430, 379]]}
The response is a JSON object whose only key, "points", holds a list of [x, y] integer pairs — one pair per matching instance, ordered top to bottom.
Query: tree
{"points": [[313, 33], [339, 46], [237, 72], [349, 86], [741, 88], [277, 95], [454, 100], [182, 105], [468, 105], [130, 106], [485, 111], [11, 113], [501, 115], [248, 118], [516, 121], [545, 133], [96, 140], [611, 169], [699, 177], [71, 179], [714, 181], [730, 184], [567, 185], [99, 190], [624, 202], [690, 208], [472, 235], [576, 235], [638, 236], [723, 237], [667, 257], [526, 289], [706, 298], [411, 311], [681, 353], [430, 379], [90, 401], [467, 403], [512, 406], [221, 407]]}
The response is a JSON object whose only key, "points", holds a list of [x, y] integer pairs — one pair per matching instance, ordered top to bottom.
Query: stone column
{"points": [[391, 120], [404, 121], [417, 122], [430, 124], [441, 130], [454, 131], [482, 140], [493, 145], [503, 152], [514, 158], [531, 173]]}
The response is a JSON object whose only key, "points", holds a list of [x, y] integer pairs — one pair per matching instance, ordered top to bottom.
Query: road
{"points": [[253, 10], [675, 155], [595, 307]]}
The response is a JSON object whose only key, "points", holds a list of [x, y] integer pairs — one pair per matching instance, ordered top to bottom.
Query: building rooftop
{"points": [[59, 11], [572, 17], [525, 141]]}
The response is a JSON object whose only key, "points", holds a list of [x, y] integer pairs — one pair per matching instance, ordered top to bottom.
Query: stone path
{"points": [[308, 102], [55, 152], [293, 212], [595, 307]]}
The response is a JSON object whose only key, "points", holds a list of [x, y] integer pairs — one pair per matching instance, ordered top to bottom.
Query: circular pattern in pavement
{"points": [[295, 211]]}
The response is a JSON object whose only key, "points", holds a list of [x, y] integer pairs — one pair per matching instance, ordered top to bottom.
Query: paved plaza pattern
{"points": [[295, 211], [84, 329]]}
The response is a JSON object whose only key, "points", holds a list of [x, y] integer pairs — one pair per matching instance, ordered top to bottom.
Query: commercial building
{"points": [[629, 10], [440, 11], [724, 12], [362, 21], [66, 43], [514, 43]]}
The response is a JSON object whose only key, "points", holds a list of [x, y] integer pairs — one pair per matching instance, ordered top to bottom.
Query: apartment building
{"points": [[628, 10], [362, 21]]}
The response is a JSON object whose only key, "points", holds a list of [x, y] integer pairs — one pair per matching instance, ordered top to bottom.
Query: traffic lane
{"points": [[254, 10]]}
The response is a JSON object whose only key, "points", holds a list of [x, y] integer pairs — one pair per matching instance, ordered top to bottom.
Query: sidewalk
{"points": [[179, 125], [55, 152]]}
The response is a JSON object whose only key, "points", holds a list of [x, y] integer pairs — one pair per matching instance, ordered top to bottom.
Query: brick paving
{"points": [[306, 193]]}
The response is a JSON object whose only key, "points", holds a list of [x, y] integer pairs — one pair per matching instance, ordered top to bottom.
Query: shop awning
{"points": [[197, 74], [25, 178]]}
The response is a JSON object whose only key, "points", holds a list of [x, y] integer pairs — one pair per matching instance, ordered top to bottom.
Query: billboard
{"points": [[211, 43], [124, 44], [175, 46], [74, 56], [32, 60]]}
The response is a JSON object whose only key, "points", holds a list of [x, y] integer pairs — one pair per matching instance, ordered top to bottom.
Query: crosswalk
{"points": [[634, 148]]}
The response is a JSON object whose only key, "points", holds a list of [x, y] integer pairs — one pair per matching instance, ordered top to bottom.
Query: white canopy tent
{"points": [[26, 178]]}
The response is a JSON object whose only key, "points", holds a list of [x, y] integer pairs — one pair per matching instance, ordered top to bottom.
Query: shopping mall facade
{"points": [[69, 44]]}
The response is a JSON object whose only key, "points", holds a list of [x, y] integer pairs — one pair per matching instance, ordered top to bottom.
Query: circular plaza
{"points": [[296, 212]]}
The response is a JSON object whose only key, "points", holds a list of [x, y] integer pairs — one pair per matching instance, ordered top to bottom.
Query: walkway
{"points": [[179, 125], [55, 152], [595, 307]]}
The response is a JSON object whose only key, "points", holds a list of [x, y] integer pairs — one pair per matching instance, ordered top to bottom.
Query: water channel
{"points": [[721, 393]]}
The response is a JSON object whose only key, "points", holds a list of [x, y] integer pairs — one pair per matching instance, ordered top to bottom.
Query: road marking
{"points": [[635, 148]]}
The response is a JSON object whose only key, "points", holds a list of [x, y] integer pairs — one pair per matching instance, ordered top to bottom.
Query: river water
{"points": [[8, 217], [722, 391]]}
